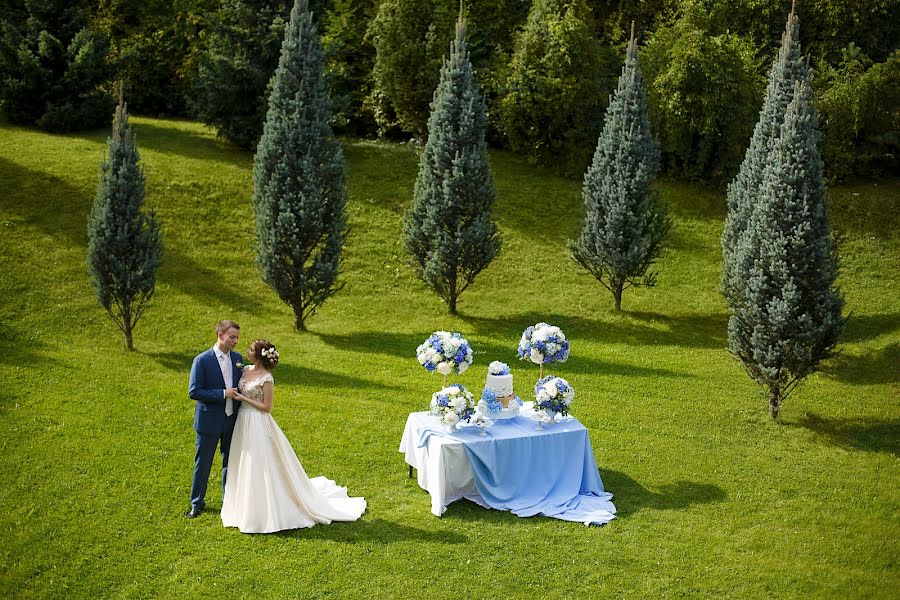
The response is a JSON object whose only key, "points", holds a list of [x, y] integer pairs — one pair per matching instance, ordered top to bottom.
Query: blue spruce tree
{"points": [[744, 191], [299, 193], [624, 221], [448, 229], [124, 245], [789, 316]]}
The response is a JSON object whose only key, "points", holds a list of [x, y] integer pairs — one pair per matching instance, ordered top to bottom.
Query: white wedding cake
{"points": [[499, 384]]}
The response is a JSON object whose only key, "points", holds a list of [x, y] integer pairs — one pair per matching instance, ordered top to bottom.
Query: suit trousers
{"points": [[203, 460]]}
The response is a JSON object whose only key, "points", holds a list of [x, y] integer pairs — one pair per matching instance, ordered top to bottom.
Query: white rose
{"points": [[540, 335], [560, 335], [536, 356], [462, 367], [444, 368], [550, 386], [450, 390], [542, 395], [451, 418]]}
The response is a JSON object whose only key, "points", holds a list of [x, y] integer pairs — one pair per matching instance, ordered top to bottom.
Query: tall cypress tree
{"points": [[744, 191], [299, 195], [624, 222], [448, 229], [124, 245], [789, 315]]}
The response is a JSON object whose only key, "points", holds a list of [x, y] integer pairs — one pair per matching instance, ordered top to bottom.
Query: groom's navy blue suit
{"points": [[213, 427]]}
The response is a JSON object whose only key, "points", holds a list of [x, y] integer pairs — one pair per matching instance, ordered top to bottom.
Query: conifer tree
{"points": [[54, 66], [744, 191], [299, 195], [624, 222], [448, 229], [124, 245], [789, 316]]}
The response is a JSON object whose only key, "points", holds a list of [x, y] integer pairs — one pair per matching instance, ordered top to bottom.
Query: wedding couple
{"points": [[267, 489]]}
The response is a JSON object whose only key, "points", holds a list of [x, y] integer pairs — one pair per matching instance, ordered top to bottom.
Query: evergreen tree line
{"points": [[546, 69], [780, 259]]}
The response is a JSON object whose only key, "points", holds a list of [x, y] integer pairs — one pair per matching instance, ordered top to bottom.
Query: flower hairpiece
{"points": [[270, 353]]}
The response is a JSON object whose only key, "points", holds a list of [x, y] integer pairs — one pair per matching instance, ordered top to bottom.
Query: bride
{"points": [[267, 488]]}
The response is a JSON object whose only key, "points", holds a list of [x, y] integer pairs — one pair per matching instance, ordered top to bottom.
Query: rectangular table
{"points": [[513, 450]]}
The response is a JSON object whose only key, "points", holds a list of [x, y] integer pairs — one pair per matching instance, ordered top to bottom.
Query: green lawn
{"points": [[714, 498]]}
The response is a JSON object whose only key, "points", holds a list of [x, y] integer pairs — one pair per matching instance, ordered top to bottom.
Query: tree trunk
{"points": [[617, 294], [451, 302], [299, 322], [127, 328], [774, 401]]}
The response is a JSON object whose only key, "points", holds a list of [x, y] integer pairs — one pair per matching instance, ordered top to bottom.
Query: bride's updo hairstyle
{"points": [[266, 352]]}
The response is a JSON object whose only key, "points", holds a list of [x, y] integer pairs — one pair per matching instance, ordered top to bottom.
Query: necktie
{"points": [[226, 375]]}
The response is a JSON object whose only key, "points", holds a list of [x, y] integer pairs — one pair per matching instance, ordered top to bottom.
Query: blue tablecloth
{"points": [[551, 472]]}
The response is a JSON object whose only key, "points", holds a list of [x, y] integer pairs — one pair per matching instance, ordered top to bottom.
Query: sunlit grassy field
{"points": [[714, 499]]}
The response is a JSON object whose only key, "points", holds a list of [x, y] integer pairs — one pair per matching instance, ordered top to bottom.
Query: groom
{"points": [[214, 378]]}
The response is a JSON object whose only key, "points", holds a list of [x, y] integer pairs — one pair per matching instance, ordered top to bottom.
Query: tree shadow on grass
{"points": [[167, 138], [46, 202], [65, 216], [206, 285], [639, 328], [861, 328], [403, 345], [872, 368], [286, 373], [871, 435], [631, 497], [375, 531]]}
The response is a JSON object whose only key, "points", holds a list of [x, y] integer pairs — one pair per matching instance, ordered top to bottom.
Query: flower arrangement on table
{"points": [[543, 344], [445, 353], [553, 395], [453, 404]]}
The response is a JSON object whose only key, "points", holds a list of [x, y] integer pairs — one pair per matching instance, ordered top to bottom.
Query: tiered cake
{"points": [[500, 382]]}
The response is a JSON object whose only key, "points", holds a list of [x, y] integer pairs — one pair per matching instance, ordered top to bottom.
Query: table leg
{"points": [[410, 471]]}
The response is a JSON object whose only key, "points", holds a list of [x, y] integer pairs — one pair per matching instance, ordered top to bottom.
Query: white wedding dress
{"points": [[267, 488]]}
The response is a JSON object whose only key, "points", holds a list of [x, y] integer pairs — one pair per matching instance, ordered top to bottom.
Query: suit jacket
{"points": [[206, 387]]}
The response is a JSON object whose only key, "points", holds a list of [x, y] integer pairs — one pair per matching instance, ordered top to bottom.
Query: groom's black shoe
{"points": [[194, 512]]}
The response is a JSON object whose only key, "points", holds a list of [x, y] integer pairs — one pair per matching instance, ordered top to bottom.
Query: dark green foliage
{"points": [[410, 39], [154, 44], [238, 56], [349, 60], [53, 67], [703, 87], [557, 91], [860, 106], [744, 192], [299, 194], [624, 222], [448, 229], [124, 245], [788, 317]]}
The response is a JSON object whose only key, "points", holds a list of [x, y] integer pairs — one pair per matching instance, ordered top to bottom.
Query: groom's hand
{"points": [[231, 393]]}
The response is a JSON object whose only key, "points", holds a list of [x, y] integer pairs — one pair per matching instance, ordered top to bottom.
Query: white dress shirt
{"points": [[227, 371]]}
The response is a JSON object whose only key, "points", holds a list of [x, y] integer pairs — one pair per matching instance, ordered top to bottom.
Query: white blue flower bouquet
{"points": [[543, 344], [445, 353], [553, 395], [452, 404]]}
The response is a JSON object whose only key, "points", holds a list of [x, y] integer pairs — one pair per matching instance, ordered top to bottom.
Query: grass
{"points": [[714, 498]]}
